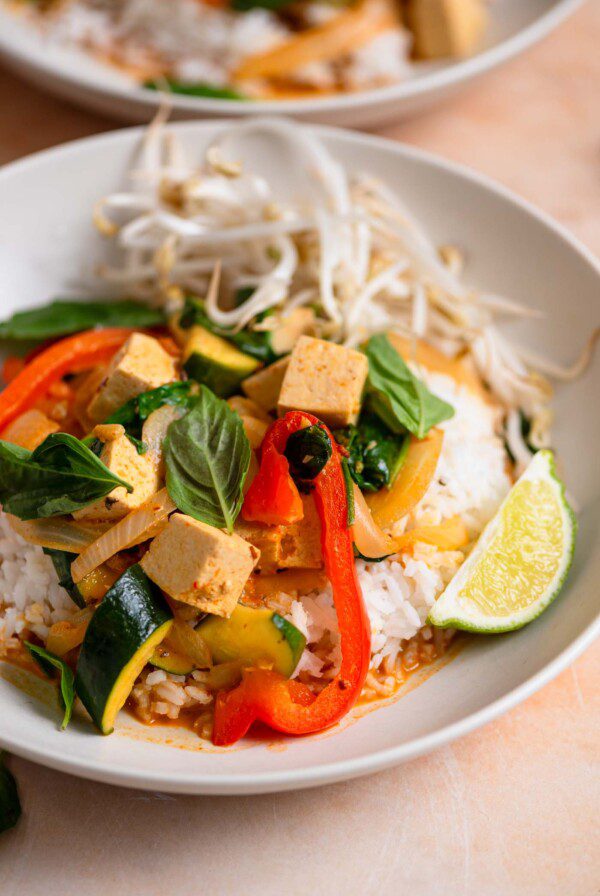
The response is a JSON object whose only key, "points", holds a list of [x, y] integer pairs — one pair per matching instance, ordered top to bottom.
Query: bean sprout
{"points": [[349, 248]]}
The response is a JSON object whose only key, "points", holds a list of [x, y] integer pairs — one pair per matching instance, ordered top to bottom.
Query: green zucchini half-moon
{"points": [[123, 633]]}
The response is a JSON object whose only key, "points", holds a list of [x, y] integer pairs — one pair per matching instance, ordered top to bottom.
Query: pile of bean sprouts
{"points": [[354, 253]]}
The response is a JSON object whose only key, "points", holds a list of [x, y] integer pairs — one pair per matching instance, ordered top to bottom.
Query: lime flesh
{"points": [[520, 562]]}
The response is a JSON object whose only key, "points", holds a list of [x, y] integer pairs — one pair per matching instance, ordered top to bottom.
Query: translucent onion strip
{"points": [[137, 526], [58, 533], [370, 540]]}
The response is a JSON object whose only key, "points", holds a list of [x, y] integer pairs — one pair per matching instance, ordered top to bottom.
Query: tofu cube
{"points": [[444, 28], [140, 364], [325, 379], [264, 387], [30, 429], [122, 459], [266, 539], [300, 546], [287, 547], [200, 565]]}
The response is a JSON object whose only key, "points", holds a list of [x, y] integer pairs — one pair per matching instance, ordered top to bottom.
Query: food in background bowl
{"points": [[268, 49], [276, 479]]}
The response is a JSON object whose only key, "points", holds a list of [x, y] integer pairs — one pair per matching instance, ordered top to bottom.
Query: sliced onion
{"points": [[154, 431], [389, 505], [137, 526], [58, 533], [450, 535], [370, 540], [68, 634], [186, 640]]}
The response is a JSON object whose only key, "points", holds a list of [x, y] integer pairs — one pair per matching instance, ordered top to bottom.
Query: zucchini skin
{"points": [[62, 564], [131, 620], [251, 635]]}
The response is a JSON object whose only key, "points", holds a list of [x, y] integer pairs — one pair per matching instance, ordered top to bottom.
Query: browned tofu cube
{"points": [[445, 27], [140, 364], [324, 379], [264, 387], [30, 429], [122, 458], [267, 539], [301, 543], [287, 547], [200, 565]]}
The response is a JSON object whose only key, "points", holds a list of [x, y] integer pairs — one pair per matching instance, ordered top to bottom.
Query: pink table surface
{"points": [[510, 810]]}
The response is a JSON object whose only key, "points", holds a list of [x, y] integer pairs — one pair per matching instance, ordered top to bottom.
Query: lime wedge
{"points": [[520, 562]]}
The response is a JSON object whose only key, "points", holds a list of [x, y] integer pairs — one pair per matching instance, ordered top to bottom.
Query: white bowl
{"points": [[514, 26], [46, 245]]}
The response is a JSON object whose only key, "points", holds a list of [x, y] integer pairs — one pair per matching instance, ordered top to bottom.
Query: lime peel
{"points": [[520, 563]]}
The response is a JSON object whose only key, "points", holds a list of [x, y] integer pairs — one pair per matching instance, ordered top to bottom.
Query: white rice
{"points": [[30, 596]]}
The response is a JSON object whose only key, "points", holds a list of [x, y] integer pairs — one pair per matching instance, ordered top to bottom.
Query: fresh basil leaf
{"points": [[198, 89], [63, 316], [256, 343], [397, 396], [134, 412], [307, 451], [375, 454], [207, 455], [60, 476], [349, 492], [61, 560], [48, 662], [10, 804]]}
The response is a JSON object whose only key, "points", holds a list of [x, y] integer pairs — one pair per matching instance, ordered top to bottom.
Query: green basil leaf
{"points": [[200, 88], [62, 317], [256, 343], [396, 395], [134, 412], [307, 451], [375, 454], [207, 455], [60, 476], [61, 560], [48, 662], [10, 804]]}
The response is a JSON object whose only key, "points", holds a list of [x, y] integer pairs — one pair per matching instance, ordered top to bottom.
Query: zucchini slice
{"points": [[211, 360], [128, 625], [254, 636], [166, 659]]}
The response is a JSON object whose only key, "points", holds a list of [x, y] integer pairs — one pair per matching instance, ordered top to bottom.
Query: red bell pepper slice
{"points": [[71, 355], [273, 497], [290, 706]]}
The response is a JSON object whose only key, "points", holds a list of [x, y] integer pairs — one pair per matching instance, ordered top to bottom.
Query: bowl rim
{"points": [[422, 86], [317, 774]]}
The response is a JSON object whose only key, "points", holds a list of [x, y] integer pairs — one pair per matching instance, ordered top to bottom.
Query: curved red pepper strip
{"points": [[70, 355], [289, 706]]}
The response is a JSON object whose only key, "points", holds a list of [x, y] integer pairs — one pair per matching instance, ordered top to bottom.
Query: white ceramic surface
{"points": [[514, 26], [48, 246]]}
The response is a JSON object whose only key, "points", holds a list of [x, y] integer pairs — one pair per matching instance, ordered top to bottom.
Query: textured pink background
{"points": [[511, 810]]}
